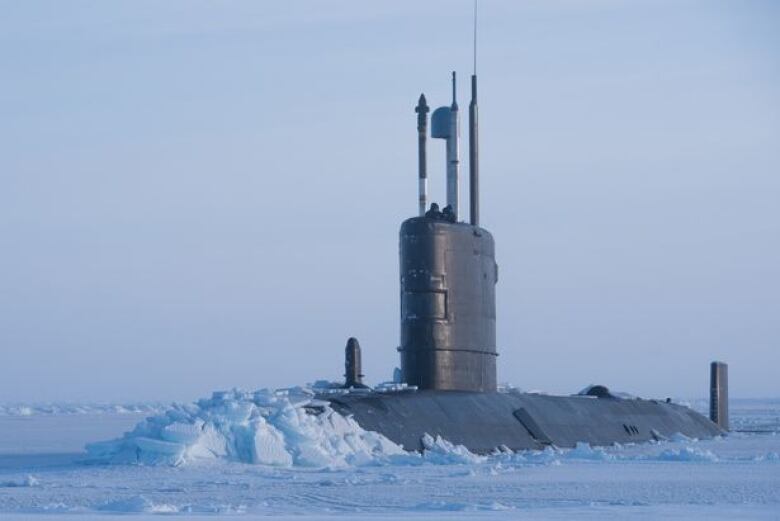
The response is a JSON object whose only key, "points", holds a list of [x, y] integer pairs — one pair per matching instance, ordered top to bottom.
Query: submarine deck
{"points": [[484, 422]]}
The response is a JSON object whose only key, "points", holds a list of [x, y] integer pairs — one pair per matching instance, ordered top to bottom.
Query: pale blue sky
{"points": [[200, 195]]}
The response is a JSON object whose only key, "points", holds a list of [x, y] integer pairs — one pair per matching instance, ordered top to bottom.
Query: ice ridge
{"points": [[281, 428]]}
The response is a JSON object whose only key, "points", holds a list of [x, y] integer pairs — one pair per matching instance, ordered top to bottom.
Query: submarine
{"points": [[447, 384]]}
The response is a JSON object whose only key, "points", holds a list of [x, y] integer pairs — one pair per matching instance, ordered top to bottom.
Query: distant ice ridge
{"points": [[31, 409]]}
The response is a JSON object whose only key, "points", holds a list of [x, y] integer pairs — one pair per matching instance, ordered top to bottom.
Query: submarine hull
{"points": [[484, 422]]}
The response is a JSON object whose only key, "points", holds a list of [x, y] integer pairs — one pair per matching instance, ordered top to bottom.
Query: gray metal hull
{"points": [[486, 421]]}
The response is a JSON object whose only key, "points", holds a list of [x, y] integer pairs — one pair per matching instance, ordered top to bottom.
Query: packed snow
{"points": [[263, 453]]}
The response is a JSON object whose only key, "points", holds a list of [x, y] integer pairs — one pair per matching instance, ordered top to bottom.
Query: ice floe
{"points": [[439, 450], [687, 454], [27, 481], [138, 504]]}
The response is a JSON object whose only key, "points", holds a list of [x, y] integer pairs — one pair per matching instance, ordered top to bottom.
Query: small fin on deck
{"points": [[532, 427]]}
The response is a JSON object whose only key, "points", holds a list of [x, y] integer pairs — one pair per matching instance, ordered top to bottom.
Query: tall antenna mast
{"points": [[475, 37], [474, 138], [453, 153], [422, 162]]}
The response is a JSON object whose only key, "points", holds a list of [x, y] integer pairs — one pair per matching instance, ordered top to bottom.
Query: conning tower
{"points": [[448, 276]]}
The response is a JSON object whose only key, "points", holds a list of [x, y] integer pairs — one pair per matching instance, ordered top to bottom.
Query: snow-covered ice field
{"points": [[254, 455]]}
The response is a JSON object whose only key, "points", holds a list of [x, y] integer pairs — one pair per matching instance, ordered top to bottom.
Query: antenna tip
{"points": [[454, 94], [422, 106]]}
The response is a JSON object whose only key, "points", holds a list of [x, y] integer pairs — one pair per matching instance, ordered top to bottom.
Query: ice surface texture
{"points": [[734, 477]]}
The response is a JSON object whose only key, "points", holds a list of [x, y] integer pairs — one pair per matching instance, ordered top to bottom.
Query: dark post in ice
{"points": [[719, 394]]}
